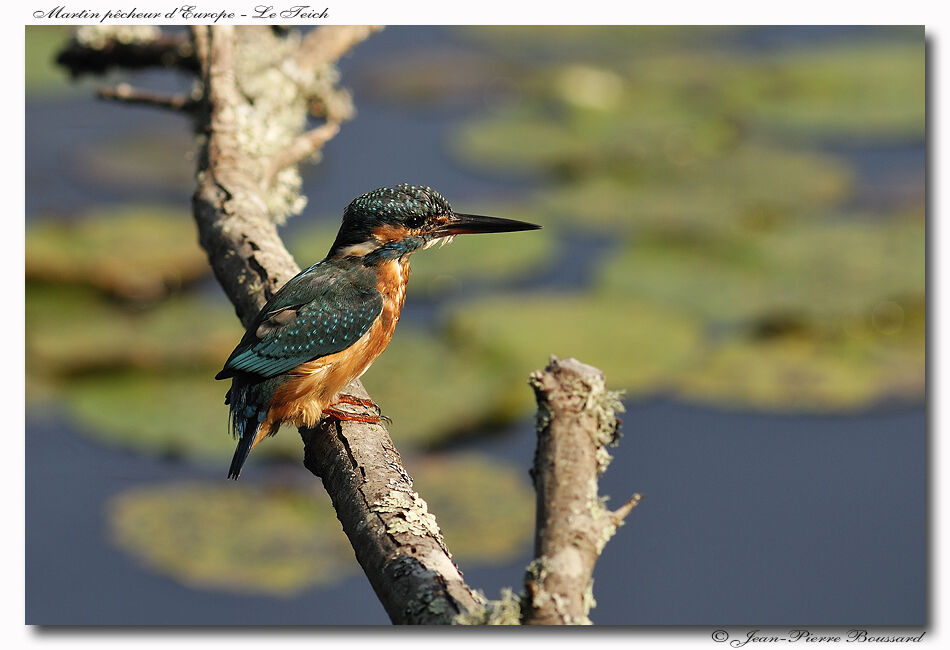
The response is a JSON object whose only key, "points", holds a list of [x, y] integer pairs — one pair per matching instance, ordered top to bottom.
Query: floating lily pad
{"points": [[871, 87], [872, 90], [521, 140], [631, 146], [747, 188], [136, 252], [848, 267], [823, 270], [712, 278], [75, 329], [639, 346], [864, 362], [434, 391], [179, 415], [485, 507], [233, 537], [280, 541]]}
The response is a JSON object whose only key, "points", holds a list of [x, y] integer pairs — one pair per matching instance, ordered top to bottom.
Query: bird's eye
{"points": [[414, 221]]}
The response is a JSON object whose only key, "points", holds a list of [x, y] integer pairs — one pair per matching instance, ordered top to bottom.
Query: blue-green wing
{"points": [[316, 314]]}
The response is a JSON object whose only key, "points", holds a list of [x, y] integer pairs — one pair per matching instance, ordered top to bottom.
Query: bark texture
{"points": [[577, 421], [396, 539]]}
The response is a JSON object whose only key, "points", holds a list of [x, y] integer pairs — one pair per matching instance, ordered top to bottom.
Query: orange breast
{"points": [[314, 385]]}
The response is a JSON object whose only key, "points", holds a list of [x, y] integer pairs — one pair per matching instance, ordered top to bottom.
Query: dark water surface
{"points": [[747, 519]]}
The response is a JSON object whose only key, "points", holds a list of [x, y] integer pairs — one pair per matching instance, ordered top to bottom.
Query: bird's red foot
{"points": [[345, 398], [346, 416]]}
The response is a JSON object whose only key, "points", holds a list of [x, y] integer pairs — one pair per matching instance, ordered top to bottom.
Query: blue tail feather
{"points": [[249, 404], [248, 431]]}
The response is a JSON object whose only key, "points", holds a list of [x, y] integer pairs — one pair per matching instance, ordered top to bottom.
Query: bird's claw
{"points": [[346, 398], [340, 414]]}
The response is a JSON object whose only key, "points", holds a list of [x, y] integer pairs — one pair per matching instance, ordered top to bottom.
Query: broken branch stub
{"points": [[576, 422]]}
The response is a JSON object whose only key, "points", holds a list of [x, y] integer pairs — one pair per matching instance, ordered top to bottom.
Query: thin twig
{"points": [[327, 44], [130, 95], [303, 147]]}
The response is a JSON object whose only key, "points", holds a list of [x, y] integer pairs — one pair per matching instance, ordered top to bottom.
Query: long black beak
{"points": [[465, 224]]}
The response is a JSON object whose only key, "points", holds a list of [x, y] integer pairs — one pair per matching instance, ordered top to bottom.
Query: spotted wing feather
{"points": [[316, 314]]}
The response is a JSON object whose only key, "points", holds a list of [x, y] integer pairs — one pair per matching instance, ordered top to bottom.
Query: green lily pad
{"points": [[872, 90], [681, 138], [521, 140], [599, 141], [749, 188], [135, 252], [848, 267], [824, 270], [712, 278], [75, 329], [639, 346], [856, 365], [434, 391], [178, 415], [484, 507], [233, 537], [280, 540]]}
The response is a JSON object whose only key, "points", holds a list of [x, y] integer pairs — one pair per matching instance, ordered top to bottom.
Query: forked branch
{"points": [[248, 183]]}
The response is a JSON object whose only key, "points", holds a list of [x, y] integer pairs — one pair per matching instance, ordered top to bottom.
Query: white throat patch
{"points": [[442, 241]]}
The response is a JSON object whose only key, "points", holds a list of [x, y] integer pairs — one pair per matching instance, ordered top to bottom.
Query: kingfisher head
{"points": [[392, 222]]}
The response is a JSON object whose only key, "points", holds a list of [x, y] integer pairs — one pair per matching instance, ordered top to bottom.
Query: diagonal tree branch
{"points": [[396, 539]]}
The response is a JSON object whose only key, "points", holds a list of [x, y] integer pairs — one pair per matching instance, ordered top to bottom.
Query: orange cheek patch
{"points": [[387, 233]]}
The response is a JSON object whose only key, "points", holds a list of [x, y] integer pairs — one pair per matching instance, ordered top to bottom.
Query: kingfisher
{"points": [[326, 325]]}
